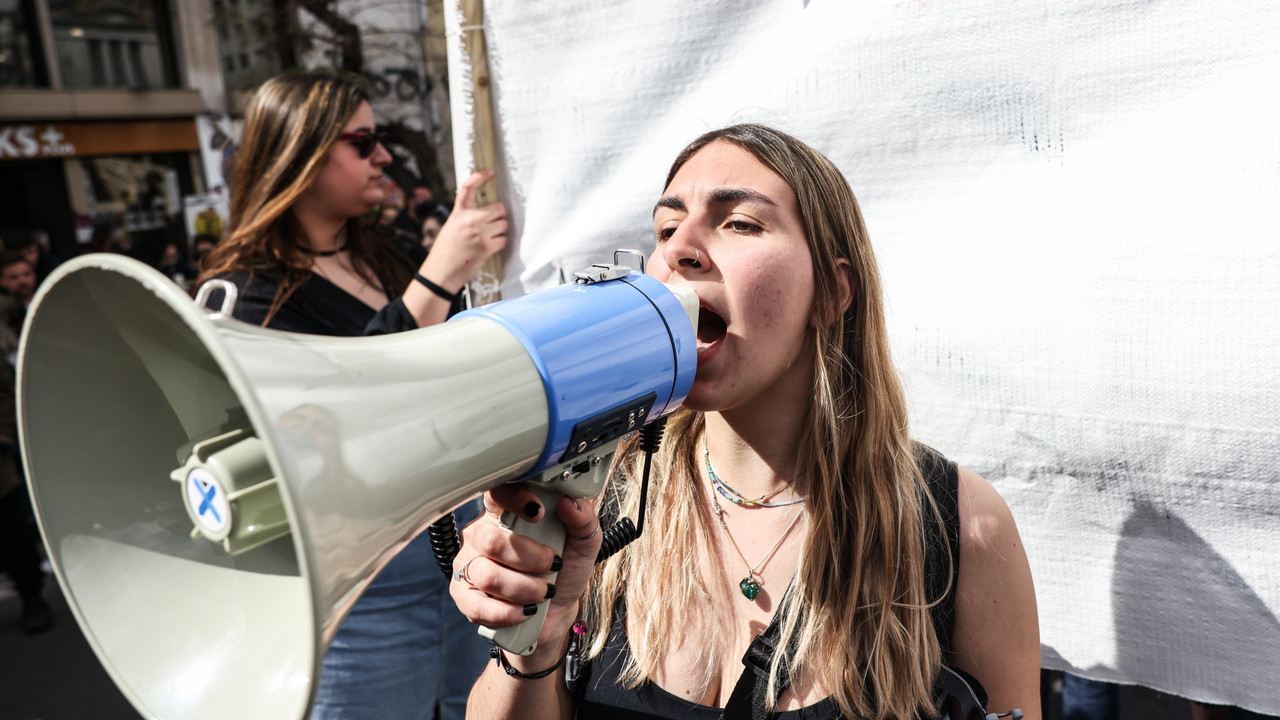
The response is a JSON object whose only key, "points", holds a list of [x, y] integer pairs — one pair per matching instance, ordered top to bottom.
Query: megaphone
{"points": [[214, 496]]}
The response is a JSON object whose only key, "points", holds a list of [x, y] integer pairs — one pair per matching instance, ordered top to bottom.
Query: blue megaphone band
{"points": [[601, 345]]}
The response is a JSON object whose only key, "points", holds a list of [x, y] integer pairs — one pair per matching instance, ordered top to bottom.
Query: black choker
{"points": [[328, 253]]}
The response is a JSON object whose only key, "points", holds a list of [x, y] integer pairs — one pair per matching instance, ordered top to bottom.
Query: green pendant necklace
{"points": [[749, 585]]}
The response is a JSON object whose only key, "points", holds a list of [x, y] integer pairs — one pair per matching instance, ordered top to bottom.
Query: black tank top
{"points": [[602, 697]]}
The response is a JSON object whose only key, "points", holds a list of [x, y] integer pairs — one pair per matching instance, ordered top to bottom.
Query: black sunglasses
{"points": [[364, 141]]}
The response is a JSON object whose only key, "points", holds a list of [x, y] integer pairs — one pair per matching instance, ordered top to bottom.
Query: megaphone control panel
{"points": [[609, 425]]}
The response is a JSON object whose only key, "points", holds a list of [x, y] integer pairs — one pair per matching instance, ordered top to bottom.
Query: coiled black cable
{"points": [[624, 532], [616, 537], [445, 542]]}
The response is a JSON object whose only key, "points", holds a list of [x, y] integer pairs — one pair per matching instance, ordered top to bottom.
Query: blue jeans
{"points": [[404, 650], [1085, 699]]}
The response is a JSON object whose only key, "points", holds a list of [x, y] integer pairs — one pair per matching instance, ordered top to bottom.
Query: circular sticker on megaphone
{"points": [[208, 504]]}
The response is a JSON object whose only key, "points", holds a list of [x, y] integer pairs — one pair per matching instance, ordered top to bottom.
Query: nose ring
{"points": [[695, 261]]}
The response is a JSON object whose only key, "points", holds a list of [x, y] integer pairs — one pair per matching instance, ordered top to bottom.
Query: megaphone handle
{"points": [[522, 639]]}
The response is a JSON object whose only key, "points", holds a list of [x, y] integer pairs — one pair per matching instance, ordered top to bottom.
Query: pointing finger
{"points": [[470, 188]]}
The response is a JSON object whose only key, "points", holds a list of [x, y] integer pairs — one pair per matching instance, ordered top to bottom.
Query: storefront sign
{"points": [[27, 141], [30, 142]]}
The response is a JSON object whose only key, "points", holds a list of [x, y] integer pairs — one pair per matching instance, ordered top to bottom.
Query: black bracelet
{"points": [[435, 288], [495, 652]]}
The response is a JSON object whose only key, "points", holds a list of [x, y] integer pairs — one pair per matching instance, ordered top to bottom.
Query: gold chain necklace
{"points": [[749, 585]]}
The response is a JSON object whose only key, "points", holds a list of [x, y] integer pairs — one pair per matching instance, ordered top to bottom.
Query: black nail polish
{"points": [[531, 509], [556, 563], [551, 591], [530, 609]]}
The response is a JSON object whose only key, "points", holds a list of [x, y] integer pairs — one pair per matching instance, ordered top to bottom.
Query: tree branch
{"points": [[345, 32]]}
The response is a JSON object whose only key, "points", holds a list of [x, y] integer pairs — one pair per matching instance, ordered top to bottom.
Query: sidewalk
{"points": [[54, 675]]}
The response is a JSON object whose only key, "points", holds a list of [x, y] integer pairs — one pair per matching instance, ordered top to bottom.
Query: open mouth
{"points": [[711, 328]]}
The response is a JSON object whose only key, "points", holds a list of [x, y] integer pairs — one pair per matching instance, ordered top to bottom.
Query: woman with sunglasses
{"points": [[308, 169]]}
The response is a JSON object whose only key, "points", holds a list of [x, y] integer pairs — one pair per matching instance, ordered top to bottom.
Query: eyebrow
{"points": [[715, 197]]}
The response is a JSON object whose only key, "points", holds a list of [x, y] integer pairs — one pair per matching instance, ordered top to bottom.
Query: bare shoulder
{"points": [[986, 523], [997, 635]]}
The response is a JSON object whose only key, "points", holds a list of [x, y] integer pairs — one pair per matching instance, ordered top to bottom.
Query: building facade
{"points": [[105, 108], [117, 117]]}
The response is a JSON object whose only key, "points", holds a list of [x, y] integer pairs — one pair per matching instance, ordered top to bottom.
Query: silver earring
{"points": [[695, 261]]}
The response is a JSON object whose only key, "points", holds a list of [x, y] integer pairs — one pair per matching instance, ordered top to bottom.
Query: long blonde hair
{"points": [[289, 127], [857, 619]]}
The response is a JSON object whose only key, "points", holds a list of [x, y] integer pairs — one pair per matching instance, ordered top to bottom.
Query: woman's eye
{"points": [[741, 226], [665, 233]]}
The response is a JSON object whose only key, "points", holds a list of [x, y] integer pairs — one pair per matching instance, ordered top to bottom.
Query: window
{"points": [[251, 42], [120, 44], [21, 59], [97, 64]]}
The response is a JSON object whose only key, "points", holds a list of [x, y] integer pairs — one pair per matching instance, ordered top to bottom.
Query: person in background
{"points": [[308, 170], [434, 215], [387, 216], [409, 221], [209, 222], [111, 235], [406, 243], [201, 246], [42, 260], [174, 265], [17, 277], [788, 492], [19, 544], [1086, 699], [1202, 711]]}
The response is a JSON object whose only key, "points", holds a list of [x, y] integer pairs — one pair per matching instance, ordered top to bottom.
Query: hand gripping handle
{"points": [[583, 477], [522, 639]]}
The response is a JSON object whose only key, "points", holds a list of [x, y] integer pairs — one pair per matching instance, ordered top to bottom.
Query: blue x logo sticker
{"points": [[207, 491]]}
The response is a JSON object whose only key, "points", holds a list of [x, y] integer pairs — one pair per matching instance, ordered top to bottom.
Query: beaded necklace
{"points": [[738, 498], [749, 585]]}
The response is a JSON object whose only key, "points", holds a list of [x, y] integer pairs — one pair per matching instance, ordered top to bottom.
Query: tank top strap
{"points": [[941, 543]]}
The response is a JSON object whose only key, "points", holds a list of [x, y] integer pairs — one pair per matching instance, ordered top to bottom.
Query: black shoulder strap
{"points": [[941, 551]]}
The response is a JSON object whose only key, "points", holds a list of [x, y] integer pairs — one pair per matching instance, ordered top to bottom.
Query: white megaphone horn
{"points": [[214, 496]]}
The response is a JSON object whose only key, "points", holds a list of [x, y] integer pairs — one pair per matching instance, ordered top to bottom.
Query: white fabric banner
{"points": [[1072, 208]]}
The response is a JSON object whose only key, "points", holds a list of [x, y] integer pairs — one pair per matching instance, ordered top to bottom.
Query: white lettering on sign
{"points": [[21, 141], [54, 143]]}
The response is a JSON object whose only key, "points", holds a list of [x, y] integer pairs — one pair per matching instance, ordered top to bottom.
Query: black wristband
{"points": [[435, 288], [495, 652]]}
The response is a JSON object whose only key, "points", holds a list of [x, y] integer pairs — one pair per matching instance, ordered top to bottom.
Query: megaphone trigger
{"points": [[584, 477]]}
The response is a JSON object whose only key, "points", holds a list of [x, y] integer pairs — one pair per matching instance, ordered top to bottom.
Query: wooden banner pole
{"points": [[487, 287]]}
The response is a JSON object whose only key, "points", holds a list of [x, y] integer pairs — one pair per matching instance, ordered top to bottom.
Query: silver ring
{"points": [[695, 261], [486, 505], [591, 534], [461, 573]]}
